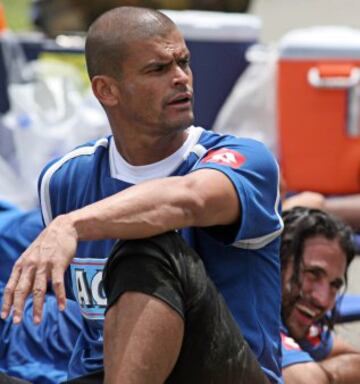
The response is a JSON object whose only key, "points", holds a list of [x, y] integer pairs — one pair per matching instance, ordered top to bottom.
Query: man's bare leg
{"points": [[142, 340]]}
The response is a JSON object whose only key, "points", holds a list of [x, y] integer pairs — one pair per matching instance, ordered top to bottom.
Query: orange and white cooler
{"points": [[319, 109]]}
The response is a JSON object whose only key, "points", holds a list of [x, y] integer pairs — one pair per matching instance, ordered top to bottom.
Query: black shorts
{"points": [[164, 266], [213, 350], [5, 379]]}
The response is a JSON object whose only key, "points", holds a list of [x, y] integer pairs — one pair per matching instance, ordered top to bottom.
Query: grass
{"points": [[17, 13]]}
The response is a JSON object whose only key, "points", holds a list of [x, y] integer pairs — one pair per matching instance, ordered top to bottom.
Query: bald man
{"points": [[182, 201]]}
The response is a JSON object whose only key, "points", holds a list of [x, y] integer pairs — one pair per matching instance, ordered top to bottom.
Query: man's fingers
{"points": [[47, 257], [57, 277], [9, 290], [21, 292], [39, 292]]}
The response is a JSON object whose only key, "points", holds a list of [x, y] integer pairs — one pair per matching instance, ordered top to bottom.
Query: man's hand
{"points": [[46, 258]]}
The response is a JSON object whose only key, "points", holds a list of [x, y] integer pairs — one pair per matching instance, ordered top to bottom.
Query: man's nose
{"points": [[182, 76], [322, 296]]}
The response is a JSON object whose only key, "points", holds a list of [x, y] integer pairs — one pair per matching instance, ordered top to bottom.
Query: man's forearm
{"points": [[158, 206], [345, 207], [137, 212], [343, 369]]}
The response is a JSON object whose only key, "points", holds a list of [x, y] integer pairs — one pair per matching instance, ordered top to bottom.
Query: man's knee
{"points": [[152, 266], [166, 268]]}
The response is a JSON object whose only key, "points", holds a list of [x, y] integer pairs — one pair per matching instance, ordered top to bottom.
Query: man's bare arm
{"points": [[202, 198], [345, 207], [343, 364], [341, 367], [305, 373]]}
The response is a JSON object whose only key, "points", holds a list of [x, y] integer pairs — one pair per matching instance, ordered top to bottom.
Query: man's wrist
{"points": [[68, 222]]}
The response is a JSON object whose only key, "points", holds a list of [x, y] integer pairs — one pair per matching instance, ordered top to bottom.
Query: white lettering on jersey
{"points": [[86, 277], [97, 290], [83, 291]]}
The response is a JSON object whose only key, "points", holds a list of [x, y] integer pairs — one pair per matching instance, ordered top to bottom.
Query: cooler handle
{"points": [[341, 77], [333, 82], [353, 112]]}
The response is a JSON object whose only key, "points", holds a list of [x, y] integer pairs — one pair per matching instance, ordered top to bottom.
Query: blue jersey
{"points": [[17, 230], [241, 259], [316, 346], [38, 353]]}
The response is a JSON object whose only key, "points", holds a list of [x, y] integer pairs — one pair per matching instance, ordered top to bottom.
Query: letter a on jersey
{"points": [[224, 156]]}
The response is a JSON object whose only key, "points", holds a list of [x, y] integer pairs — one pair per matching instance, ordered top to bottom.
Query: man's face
{"points": [[156, 85], [321, 276]]}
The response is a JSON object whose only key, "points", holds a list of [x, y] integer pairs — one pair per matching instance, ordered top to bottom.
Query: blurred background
{"points": [[278, 16], [281, 16]]}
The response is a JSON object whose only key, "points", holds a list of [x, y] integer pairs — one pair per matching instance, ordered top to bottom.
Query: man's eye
{"points": [[184, 63], [158, 68], [314, 274], [337, 285]]}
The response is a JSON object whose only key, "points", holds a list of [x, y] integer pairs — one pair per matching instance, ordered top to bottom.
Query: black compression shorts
{"points": [[164, 266], [5, 379]]}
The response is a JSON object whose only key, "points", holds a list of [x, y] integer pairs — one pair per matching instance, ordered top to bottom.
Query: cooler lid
{"points": [[216, 26], [330, 42]]}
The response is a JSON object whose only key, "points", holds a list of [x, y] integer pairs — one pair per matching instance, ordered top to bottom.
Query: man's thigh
{"points": [[163, 266]]}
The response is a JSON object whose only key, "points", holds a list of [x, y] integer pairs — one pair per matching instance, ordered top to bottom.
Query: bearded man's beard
{"points": [[291, 294]]}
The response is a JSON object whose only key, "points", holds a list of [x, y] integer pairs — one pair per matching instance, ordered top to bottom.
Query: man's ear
{"points": [[105, 89]]}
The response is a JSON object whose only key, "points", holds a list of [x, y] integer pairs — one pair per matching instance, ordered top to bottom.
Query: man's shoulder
{"points": [[215, 138], [250, 147], [254, 154], [81, 159], [72, 180]]}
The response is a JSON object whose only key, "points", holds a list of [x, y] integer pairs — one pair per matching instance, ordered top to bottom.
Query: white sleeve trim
{"points": [[199, 150], [45, 182], [262, 241], [258, 242]]}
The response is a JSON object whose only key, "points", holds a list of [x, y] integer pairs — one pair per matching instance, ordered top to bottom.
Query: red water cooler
{"points": [[319, 110]]}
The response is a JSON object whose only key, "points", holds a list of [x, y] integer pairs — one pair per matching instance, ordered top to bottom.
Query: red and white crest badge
{"points": [[225, 156], [289, 343]]}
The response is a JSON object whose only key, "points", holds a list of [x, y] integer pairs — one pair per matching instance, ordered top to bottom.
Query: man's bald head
{"points": [[111, 35]]}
